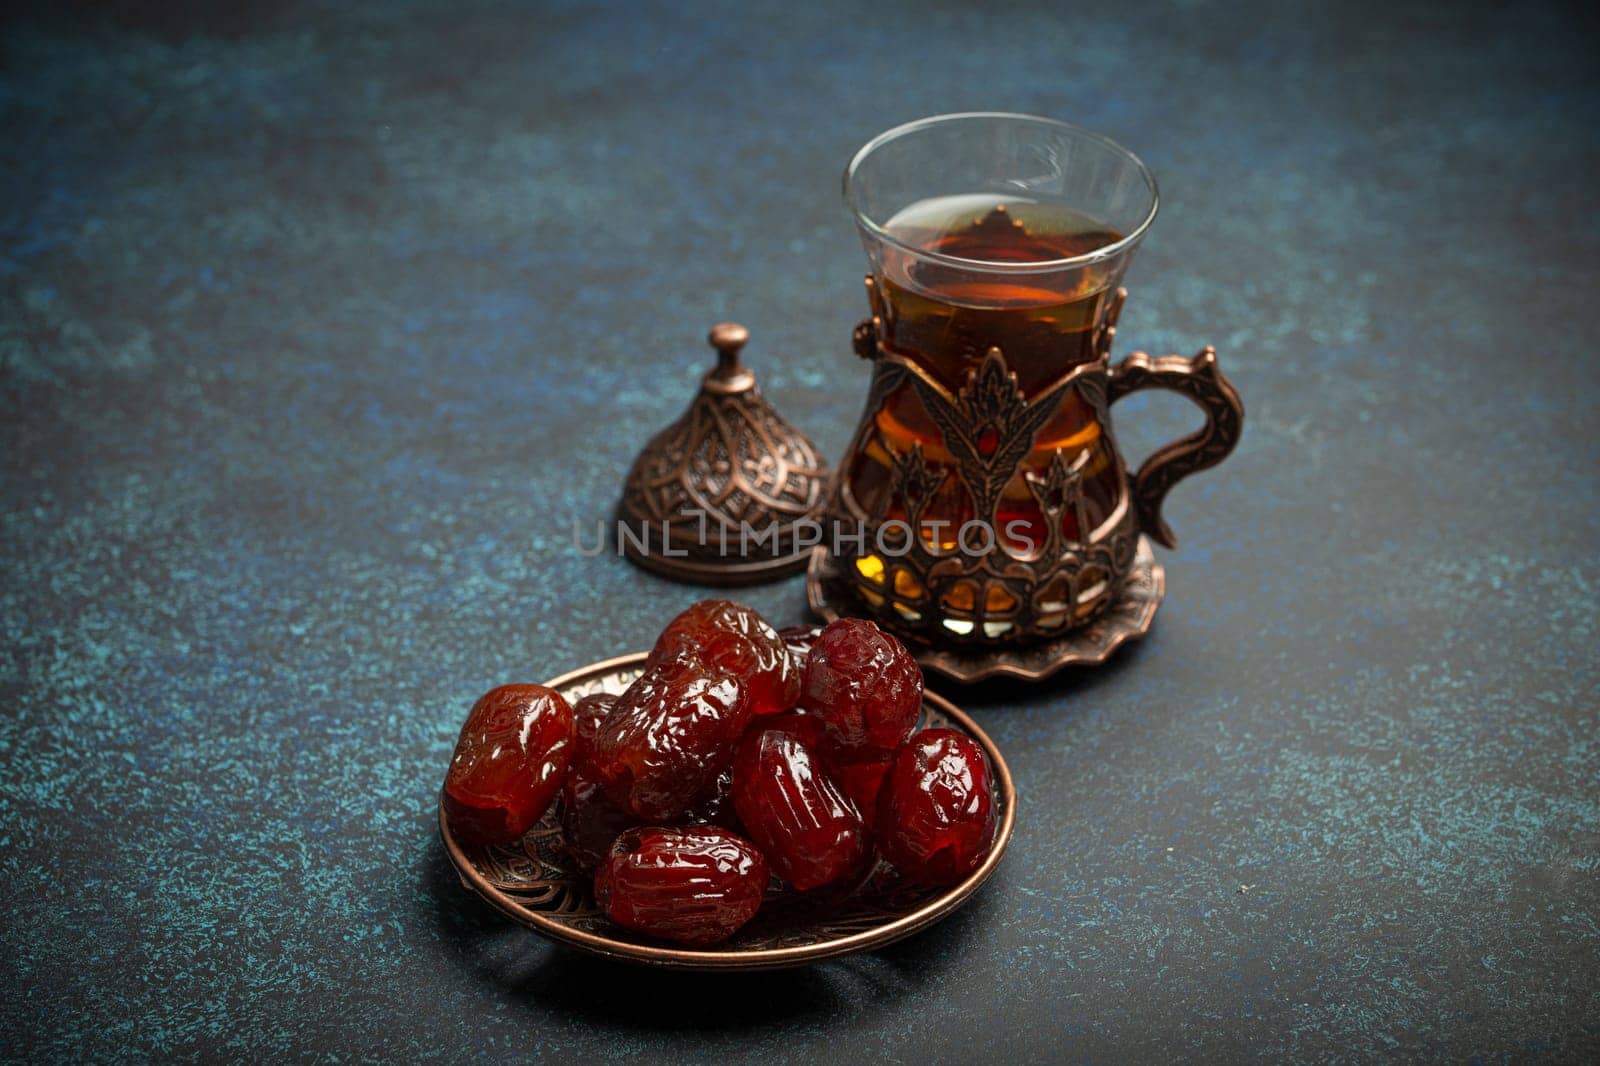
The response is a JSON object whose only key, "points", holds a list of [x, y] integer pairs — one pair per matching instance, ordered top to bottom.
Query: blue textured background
{"points": [[319, 326]]}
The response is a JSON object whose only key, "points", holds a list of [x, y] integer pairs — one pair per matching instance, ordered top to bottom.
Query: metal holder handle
{"points": [[1200, 381]]}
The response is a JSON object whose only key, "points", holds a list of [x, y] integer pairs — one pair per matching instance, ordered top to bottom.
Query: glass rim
{"points": [[1104, 252]]}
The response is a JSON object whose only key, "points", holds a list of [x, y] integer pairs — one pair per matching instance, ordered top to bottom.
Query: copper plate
{"points": [[1127, 617], [533, 883]]}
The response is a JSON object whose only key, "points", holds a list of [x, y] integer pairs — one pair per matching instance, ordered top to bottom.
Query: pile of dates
{"points": [[740, 755]]}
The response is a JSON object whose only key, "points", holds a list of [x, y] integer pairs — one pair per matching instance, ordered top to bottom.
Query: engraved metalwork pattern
{"points": [[991, 403], [732, 457], [730, 463], [830, 594], [944, 598], [534, 883]]}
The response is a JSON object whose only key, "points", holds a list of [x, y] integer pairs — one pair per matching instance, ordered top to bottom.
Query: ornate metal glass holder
{"points": [[1001, 533], [973, 615]]}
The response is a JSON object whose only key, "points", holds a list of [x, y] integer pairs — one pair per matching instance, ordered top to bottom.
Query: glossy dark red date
{"points": [[731, 637], [799, 639], [864, 688], [588, 715], [798, 724], [668, 737], [509, 763], [861, 781], [716, 806], [936, 813], [590, 821], [807, 827], [694, 885]]}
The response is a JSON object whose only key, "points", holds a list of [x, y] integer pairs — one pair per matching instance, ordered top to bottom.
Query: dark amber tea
{"points": [[961, 275], [989, 504]]}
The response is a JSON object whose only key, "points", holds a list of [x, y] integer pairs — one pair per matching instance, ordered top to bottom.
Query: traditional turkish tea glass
{"points": [[984, 470]]}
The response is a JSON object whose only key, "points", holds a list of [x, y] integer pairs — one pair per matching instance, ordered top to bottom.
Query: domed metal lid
{"points": [[730, 493]]}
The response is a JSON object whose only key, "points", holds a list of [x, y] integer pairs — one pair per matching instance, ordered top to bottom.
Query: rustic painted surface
{"points": [[319, 328]]}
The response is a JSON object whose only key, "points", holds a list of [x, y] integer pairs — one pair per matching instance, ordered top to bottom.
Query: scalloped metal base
{"points": [[1128, 617]]}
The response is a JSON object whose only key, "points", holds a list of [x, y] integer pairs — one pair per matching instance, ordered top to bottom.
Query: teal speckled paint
{"points": [[319, 325]]}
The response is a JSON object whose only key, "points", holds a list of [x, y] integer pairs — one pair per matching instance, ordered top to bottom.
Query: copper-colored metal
{"points": [[1200, 380], [723, 494], [831, 593], [965, 605], [533, 883]]}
